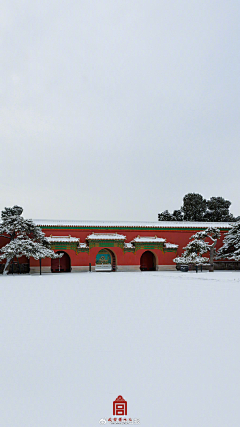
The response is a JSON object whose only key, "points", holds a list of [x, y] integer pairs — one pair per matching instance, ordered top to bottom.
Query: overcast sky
{"points": [[115, 109]]}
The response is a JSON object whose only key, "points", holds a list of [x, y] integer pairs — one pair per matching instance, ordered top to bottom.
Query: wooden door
{"points": [[147, 261], [61, 265]]}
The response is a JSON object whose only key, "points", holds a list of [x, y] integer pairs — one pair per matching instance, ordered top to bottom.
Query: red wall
{"points": [[180, 237]]}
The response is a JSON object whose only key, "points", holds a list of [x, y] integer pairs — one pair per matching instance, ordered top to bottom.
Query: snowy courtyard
{"points": [[168, 342]]}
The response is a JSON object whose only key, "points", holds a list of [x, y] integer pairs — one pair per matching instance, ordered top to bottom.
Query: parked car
{"points": [[184, 268]]}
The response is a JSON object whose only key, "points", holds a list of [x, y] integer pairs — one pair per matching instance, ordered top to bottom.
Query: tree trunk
{"points": [[6, 268], [211, 268]]}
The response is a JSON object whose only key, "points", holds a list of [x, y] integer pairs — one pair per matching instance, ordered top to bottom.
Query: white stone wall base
{"points": [[80, 268], [85, 268], [128, 268], [137, 268], [166, 268], [37, 270]]}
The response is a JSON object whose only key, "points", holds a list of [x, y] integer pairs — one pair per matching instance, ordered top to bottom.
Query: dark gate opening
{"points": [[113, 261], [147, 261], [61, 265]]}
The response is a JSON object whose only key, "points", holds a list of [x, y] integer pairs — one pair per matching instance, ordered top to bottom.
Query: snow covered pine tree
{"points": [[25, 238], [231, 244], [195, 249]]}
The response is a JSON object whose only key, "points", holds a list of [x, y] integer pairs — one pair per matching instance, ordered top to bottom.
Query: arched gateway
{"points": [[105, 260], [147, 261], [61, 265]]}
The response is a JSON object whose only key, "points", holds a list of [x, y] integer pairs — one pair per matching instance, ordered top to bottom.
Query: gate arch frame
{"points": [[113, 257], [155, 260], [70, 263]]}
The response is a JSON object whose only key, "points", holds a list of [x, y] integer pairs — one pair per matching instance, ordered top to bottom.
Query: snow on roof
{"points": [[130, 224], [107, 236], [62, 239], [149, 239], [83, 245], [128, 245], [171, 245]]}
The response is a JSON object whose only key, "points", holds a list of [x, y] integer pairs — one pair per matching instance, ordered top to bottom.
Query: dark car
{"points": [[184, 268]]}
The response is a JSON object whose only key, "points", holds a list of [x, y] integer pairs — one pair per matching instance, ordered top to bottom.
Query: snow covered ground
{"points": [[168, 342]]}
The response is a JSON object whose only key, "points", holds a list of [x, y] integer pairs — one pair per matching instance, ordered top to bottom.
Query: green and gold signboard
{"points": [[103, 257]]}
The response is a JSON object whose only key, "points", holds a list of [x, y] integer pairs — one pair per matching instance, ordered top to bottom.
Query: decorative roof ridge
{"points": [[132, 224], [105, 236], [69, 238], [148, 239]]}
